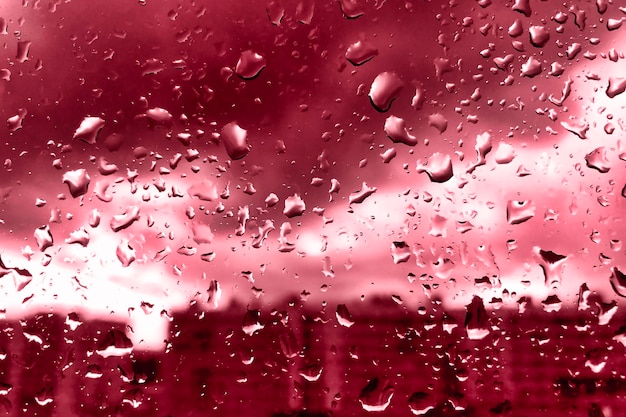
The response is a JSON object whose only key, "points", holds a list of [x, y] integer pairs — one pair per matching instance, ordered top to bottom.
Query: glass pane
{"points": [[312, 208]]}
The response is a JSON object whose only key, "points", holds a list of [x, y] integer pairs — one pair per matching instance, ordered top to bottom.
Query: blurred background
{"points": [[410, 208]]}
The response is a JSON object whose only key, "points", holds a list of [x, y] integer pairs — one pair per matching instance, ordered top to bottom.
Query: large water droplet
{"points": [[523, 6], [351, 9], [539, 36], [360, 52], [250, 65], [531, 68], [617, 85], [384, 90], [438, 121], [89, 129], [395, 129], [235, 141], [598, 160], [439, 167], [77, 181], [204, 190], [358, 197], [294, 206], [519, 211], [122, 221], [43, 237], [400, 252], [125, 253], [618, 282], [343, 316], [476, 319], [252, 322], [115, 343], [376, 395], [421, 403]]}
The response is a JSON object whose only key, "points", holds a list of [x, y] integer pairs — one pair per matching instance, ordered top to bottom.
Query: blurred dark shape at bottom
{"points": [[301, 362]]}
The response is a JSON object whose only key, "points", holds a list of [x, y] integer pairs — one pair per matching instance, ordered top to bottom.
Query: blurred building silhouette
{"points": [[298, 361]]}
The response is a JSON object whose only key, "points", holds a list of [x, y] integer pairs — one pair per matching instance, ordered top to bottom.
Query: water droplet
{"points": [[523, 6], [351, 9], [305, 11], [275, 12], [516, 29], [539, 36], [23, 48], [361, 52], [250, 65], [531, 68], [617, 85], [384, 90], [159, 116], [438, 121], [14, 123], [89, 129], [395, 129], [235, 141], [504, 153], [598, 160], [439, 168], [77, 181], [204, 190], [358, 197], [294, 206], [519, 211], [94, 218], [122, 221], [201, 233], [79, 236], [43, 237], [400, 252], [125, 253], [551, 264], [618, 282], [583, 297], [552, 304], [344, 317], [476, 319], [252, 322], [115, 343], [288, 343], [311, 373], [376, 395], [420, 403]]}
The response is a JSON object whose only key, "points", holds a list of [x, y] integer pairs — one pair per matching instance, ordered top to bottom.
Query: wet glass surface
{"points": [[312, 208]]}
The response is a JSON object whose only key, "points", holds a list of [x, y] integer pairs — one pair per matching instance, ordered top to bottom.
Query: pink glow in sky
{"points": [[330, 148]]}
